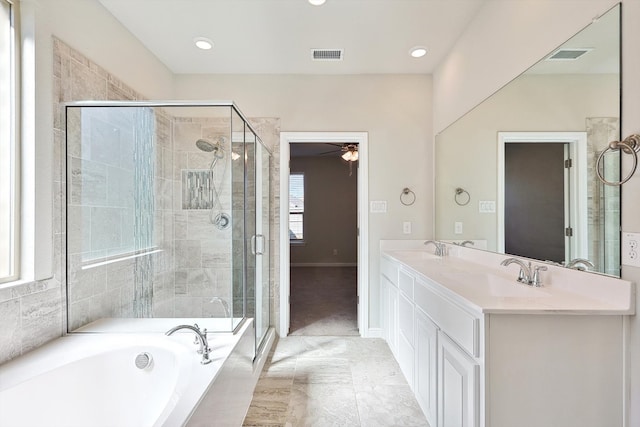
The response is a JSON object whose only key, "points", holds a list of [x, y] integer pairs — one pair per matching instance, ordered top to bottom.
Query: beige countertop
{"points": [[472, 281]]}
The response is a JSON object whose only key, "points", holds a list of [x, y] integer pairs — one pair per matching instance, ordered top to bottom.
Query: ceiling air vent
{"points": [[327, 54], [568, 54]]}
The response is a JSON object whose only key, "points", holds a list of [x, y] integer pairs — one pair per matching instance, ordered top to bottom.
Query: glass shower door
{"points": [[262, 243]]}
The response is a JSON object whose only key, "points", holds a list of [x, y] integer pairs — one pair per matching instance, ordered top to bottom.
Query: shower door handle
{"points": [[254, 244]]}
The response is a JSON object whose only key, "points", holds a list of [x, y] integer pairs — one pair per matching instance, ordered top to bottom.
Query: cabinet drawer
{"points": [[389, 269], [405, 283], [457, 323]]}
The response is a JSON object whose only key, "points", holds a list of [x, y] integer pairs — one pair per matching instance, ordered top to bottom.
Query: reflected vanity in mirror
{"points": [[527, 155]]}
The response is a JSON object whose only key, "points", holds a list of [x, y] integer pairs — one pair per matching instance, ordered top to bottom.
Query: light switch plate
{"points": [[378, 206], [487, 206], [631, 249]]}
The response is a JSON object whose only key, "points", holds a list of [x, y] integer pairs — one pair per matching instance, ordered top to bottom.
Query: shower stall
{"points": [[167, 217]]}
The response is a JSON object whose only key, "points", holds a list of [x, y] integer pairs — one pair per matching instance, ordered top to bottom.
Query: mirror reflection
{"points": [[526, 158]]}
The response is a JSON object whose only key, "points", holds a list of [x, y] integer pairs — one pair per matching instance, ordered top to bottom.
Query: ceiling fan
{"points": [[350, 151]]}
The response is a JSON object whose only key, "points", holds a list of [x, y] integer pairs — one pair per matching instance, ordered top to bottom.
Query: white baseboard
{"points": [[324, 264], [374, 333]]}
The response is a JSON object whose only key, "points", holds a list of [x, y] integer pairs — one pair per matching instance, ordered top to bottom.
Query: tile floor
{"points": [[324, 374], [332, 381]]}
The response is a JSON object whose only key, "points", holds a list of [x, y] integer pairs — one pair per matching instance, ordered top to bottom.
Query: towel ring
{"points": [[630, 145], [460, 191], [407, 194]]}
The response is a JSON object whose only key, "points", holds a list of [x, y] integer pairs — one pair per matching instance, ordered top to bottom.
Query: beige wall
{"points": [[460, 84], [531, 103], [396, 112], [331, 212]]}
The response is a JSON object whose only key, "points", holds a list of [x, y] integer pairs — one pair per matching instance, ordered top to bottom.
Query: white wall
{"points": [[466, 78], [394, 109]]}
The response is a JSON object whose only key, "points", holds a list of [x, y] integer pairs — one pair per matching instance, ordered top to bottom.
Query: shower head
{"points": [[206, 146]]}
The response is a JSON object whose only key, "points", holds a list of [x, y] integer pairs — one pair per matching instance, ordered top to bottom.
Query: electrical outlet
{"points": [[406, 227], [631, 249]]}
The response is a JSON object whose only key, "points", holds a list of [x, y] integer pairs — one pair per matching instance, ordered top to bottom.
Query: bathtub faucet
{"points": [[201, 337]]}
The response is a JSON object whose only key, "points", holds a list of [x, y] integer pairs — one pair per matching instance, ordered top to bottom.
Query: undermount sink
{"points": [[501, 287]]}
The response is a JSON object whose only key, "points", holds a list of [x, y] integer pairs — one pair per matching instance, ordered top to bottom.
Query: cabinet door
{"points": [[392, 296], [406, 353], [426, 381], [458, 382]]}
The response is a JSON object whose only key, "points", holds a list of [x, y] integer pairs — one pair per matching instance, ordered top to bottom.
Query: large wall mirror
{"points": [[517, 174]]}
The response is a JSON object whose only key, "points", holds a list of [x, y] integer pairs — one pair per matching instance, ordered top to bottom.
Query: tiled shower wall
{"points": [[604, 200], [117, 206], [203, 251], [34, 313]]}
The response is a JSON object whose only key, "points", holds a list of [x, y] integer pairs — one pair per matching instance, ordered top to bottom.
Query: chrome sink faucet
{"points": [[440, 247], [580, 264], [527, 275], [524, 276], [201, 338]]}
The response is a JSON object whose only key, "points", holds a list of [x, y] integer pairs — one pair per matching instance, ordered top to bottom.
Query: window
{"points": [[8, 148], [296, 207]]}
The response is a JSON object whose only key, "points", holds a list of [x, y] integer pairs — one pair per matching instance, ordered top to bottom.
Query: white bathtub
{"points": [[89, 380]]}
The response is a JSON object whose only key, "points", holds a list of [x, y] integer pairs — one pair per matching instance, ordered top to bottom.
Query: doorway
{"points": [[542, 191], [536, 204], [360, 270]]}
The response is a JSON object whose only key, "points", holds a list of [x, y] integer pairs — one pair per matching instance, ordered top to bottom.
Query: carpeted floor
{"points": [[324, 301]]}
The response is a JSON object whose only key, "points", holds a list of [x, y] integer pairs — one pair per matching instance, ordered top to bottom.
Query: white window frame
{"points": [[9, 123], [297, 241]]}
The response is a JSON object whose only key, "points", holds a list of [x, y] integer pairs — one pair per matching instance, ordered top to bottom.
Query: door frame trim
{"points": [[360, 138], [578, 182]]}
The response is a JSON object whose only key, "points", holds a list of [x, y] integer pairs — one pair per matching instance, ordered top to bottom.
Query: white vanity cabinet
{"points": [[474, 365], [442, 375]]}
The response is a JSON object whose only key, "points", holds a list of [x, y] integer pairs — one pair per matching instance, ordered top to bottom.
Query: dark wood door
{"points": [[535, 200]]}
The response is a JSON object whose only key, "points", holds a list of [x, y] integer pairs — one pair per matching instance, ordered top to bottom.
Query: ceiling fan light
{"points": [[347, 156], [354, 156]]}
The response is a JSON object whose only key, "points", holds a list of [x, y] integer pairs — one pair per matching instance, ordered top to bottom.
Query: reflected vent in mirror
{"points": [[568, 54]]}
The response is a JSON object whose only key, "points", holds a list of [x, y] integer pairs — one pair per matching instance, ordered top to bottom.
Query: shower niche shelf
{"points": [[197, 189]]}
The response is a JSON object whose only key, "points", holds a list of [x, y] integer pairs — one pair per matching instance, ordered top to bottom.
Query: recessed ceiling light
{"points": [[317, 2], [203, 43], [418, 51]]}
